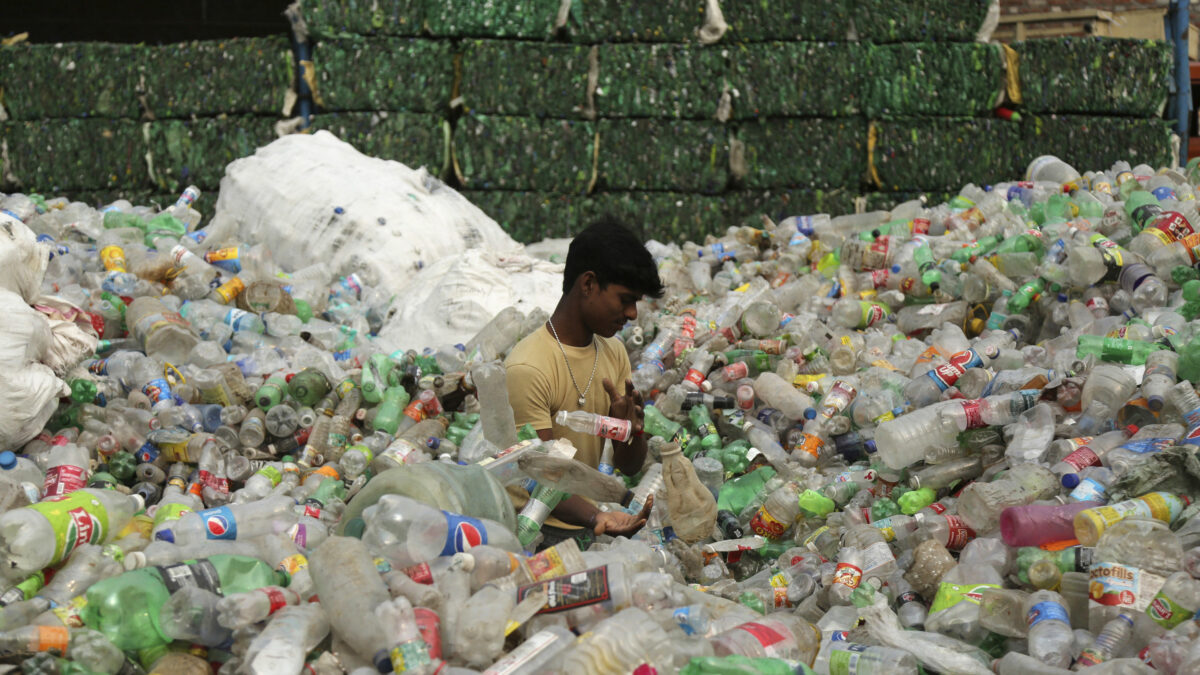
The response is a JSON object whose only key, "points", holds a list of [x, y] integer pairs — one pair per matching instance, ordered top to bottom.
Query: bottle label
{"points": [[1170, 227], [113, 258], [225, 258], [230, 289], [872, 313], [239, 319], [945, 375], [157, 390], [973, 411], [613, 427], [810, 444], [1148, 446], [1082, 458], [64, 479], [208, 479], [1089, 490], [1156, 505], [166, 513], [77, 518], [218, 523], [763, 524], [462, 533], [958, 534], [875, 557], [292, 564], [546, 565], [200, 573], [847, 575], [1116, 585], [568, 592], [949, 595], [275, 597], [907, 597], [1046, 611], [1166, 612], [430, 626], [51, 638], [773, 641], [412, 655], [523, 655], [844, 660]]}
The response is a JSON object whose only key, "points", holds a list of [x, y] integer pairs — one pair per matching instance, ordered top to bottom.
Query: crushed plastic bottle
{"points": [[972, 425]]}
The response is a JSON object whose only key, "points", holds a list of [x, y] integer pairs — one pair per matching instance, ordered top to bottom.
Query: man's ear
{"points": [[587, 283]]}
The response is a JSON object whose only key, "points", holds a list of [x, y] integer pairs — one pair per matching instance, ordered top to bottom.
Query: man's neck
{"points": [[569, 325]]}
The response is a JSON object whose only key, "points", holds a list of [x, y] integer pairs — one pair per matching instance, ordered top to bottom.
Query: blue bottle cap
{"points": [[809, 413], [7, 459], [1070, 480]]}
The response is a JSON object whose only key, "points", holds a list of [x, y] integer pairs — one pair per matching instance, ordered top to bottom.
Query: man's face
{"points": [[607, 309]]}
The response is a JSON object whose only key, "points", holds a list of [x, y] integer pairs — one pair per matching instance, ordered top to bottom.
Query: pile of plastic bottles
{"points": [[955, 438]]}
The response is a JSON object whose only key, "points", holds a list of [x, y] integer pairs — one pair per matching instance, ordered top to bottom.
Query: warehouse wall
{"points": [[546, 124]]}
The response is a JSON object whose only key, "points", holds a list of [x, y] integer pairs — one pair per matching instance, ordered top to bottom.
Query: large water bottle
{"points": [[1050, 638]]}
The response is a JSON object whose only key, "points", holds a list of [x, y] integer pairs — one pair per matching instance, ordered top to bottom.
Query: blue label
{"points": [[235, 317], [947, 374], [157, 390], [765, 414], [1148, 445], [147, 453], [606, 468], [1089, 490], [219, 523], [463, 533], [1047, 611], [683, 617]]}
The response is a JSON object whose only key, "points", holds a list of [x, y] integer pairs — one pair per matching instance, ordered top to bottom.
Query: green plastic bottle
{"points": [[1121, 350], [375, 376], [308, 386], [83, 390], [271, 393], [391, 409], [657, 424], [705, 429], [736, 494], [914, 500], [125, 608]]}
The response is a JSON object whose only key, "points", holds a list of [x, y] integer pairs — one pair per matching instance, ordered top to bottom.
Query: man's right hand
{"points": [[621, 524]]}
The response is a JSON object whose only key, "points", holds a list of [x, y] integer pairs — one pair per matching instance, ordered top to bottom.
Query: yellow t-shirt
{"points": [[539, 386]]}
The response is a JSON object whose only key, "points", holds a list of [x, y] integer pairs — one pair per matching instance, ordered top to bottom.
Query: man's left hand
{"points": [[627, 406]]}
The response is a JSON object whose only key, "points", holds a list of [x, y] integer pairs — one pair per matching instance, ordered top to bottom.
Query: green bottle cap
{"points": [[303, 310]]}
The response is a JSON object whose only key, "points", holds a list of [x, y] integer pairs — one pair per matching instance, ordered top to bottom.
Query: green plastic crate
{"points": [[340, 18], [492, 18], [765, 20], [919, 20], [595, 21], [383, 74], [1104, 76], [216, 77], [524, 78], [75, 79], [796, 79], [932, 79], [661, 80], [410, 138], [1094, 143], [183, 152], [524, 153], [804, 153], [650, 154], [918, 154], [55, 156]]}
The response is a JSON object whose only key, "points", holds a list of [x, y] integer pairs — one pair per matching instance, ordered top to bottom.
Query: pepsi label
{"points": [[219, 523], [462, 533]]}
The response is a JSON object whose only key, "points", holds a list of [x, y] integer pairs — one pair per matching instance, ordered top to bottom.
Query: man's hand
{"points": [[627, 407], [621, 524]]}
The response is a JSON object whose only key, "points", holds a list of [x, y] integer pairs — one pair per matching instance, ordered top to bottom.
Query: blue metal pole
{"points": [[1177, 22]]}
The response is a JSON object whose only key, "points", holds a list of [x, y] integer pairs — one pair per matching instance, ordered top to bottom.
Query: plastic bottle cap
{"points": [[895, 269], [1062, 297], [809, 413], [1132, 429], [870, 447], [7, 459], [1070, 480], [354, 528], [165, 535]]}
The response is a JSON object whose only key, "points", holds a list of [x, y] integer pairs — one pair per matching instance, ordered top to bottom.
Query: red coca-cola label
{"points": [[973, 410], [1082, 458], [63, 479], [958, 534], [420, 574]]}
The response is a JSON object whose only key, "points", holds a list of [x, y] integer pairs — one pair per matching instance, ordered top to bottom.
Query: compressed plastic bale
{"points": [[338, 18], [497, 18], [763, 20], [593, 21], [919, 21], [383, 74], [1107, 76], [213, 77], [524, 78], [74, 79], [796, 79], [932, 79], [676, 80], [414, 139], [1095, 142], [185, 152], [804, 152], [524, 153], [649, 154], [940, 154], [52, 156], [884, 201], [746, 207], [523, 215], [665, 216]]}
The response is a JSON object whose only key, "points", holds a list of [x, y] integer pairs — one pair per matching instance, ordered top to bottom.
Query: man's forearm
{"points": [[630, 457], [576, 511]]}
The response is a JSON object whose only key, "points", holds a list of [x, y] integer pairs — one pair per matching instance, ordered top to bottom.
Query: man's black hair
{"points": [[615, 255]]}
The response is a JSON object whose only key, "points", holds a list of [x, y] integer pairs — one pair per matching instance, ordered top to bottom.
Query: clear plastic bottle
{"points": [[1050, 638], [838, 657]]}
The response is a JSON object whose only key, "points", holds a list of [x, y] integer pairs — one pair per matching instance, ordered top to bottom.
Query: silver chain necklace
{"points": [[595, 362]]}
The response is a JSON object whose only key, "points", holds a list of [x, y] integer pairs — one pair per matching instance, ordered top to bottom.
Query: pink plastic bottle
{"points": [[1037, 524]]}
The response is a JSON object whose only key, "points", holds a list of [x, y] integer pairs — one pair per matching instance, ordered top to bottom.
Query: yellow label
{"points": [[113, 258], [230, 289], [742, 289], [846, 340], [884, 363], [889, 534], [292, 564], [779, 581], [71, 614], [512, 625]]}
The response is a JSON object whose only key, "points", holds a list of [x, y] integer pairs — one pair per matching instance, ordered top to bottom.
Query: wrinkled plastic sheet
{"points": [[339, 18], [493, 18], [762, 20], [919, 20], [595, 21], [384, 74], [1107, 76], [215, 77], [524, 78], [77, 79], [796, 79], [932, 79], [676, 80], [411, 138], [1095, 143], [185, 152], [524, 153], [807, 153], [649, 154], [916, 154], [53, 156]]}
